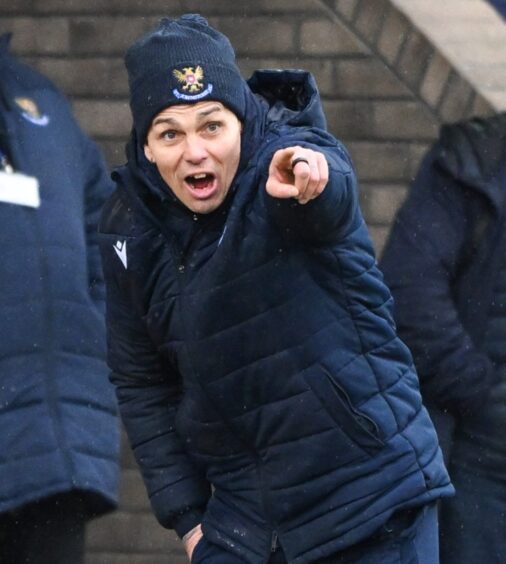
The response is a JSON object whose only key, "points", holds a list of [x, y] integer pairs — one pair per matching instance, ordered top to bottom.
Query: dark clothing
{"points": [[446, 267], [443, 286], [253, 349], [58, 421], [473, 524], [50, 531], [404, 539]]}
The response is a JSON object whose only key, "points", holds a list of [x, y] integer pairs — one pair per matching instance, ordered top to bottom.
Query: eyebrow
{"points": [[205, 113], [202, 114]]}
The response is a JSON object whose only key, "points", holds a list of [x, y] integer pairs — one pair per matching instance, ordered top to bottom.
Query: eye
{"points": [[213, 126], [169, 134]]}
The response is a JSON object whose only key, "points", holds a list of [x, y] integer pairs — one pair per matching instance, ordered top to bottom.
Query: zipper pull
{"points": [[274, 541]]}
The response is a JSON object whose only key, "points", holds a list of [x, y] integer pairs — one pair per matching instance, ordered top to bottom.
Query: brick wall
{"points": [[385, 91]]}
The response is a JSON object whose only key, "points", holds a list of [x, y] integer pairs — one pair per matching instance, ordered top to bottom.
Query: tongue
{"points": [[201, 183]]}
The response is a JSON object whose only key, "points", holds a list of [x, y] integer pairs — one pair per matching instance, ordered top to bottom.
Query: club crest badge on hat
{"points": [[191, 80], [30, 111]]}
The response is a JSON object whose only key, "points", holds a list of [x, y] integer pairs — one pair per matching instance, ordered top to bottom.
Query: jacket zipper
{"points": [[362, 418]]}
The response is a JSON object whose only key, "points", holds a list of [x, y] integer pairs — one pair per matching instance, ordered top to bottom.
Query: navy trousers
{"points": [[473, 522], [50, 531], [409, 538]]}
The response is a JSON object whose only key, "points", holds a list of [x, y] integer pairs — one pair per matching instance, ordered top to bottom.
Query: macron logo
{"points": [[120, 248]]}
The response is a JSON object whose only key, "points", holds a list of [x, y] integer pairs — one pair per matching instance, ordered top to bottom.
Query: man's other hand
{"points": [[297, 172]]}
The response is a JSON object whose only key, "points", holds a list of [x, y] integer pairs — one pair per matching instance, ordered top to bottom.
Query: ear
{"points": [[148, 154]]}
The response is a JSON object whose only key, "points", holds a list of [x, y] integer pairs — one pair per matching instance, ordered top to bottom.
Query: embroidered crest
{"points": [[191, 80], [30, 111]]}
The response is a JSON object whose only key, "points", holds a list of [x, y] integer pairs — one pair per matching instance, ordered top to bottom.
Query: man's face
{"points": [[196, 148]]}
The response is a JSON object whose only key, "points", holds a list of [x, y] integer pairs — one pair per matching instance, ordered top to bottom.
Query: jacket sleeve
{"points": [[98, 187], [328, 217], [421, 265], [148, 396]]}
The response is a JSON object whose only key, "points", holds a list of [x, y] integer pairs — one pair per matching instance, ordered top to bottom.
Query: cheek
{"points": [[233, 154], [166, 166]]}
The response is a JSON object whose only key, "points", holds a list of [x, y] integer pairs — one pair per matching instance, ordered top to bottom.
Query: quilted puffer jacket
{"points": [[253, 349], [59, 429]]}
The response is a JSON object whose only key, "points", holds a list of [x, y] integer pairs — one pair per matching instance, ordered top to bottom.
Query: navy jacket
{"points": [[442, 259], [253, 349], [58, 422]]}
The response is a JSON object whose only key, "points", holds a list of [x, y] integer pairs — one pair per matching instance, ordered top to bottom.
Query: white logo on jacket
{"points": [[120, 248]]}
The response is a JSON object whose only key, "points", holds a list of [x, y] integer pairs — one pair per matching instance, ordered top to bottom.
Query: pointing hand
{"points": [[297, 172]]}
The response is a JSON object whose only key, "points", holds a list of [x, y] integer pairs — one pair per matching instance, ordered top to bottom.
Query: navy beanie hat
{"points": [[182, 61]]}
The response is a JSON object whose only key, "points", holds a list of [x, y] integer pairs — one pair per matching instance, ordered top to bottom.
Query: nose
{"points": [[195, 150]]}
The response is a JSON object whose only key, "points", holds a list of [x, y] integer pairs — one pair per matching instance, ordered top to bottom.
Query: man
{"points": [[445, 265], [268, 401], [59, 432]]}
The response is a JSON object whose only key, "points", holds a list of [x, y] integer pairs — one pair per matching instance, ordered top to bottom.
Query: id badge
{"points": [[19, 189]]}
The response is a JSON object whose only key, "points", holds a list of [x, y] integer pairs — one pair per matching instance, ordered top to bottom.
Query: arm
{"points": [[420, 264], [149, 394]]}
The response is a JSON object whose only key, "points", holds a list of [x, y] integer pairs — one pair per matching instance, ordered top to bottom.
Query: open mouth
{"points": [[201, 181]]}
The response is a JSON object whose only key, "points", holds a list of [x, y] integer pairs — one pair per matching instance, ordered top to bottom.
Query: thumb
{"points": [[278, 189]]}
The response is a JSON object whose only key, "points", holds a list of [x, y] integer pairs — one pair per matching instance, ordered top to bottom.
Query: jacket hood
{"points": [[292, 97], [474, 152]]}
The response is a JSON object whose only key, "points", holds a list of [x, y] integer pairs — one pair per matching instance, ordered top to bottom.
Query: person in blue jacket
{"points": [[445, 264], [273, 411], [59, 435]]}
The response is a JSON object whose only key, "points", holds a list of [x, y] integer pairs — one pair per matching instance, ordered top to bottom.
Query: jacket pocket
{"points": [[358, 426]]}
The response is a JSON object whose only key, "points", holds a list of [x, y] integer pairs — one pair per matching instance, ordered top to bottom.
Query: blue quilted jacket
{"points": [[253, 349], [58, 415]]}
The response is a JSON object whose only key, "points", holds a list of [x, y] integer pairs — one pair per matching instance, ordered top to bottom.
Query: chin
{"points": [[205, 207]]}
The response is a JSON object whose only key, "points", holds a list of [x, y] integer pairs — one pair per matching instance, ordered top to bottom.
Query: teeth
{"points": [[199, 176]]}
